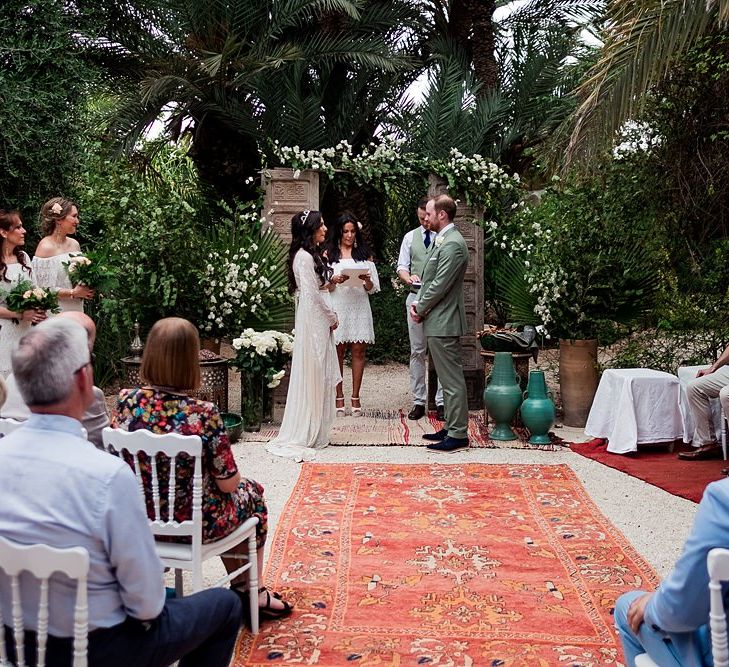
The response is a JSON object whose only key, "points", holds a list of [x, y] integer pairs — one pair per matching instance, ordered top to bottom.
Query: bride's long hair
{"points": [[303, 226]]}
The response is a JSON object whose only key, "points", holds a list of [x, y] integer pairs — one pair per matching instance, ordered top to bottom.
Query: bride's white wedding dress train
{"points": [[310, 408]]}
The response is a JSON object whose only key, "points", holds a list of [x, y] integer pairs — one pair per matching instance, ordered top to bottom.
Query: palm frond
{"points": [[642, 41]]}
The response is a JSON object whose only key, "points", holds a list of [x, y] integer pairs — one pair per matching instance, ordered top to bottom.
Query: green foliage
{"points": [[43, 81], [591, 263], [388, 313]]}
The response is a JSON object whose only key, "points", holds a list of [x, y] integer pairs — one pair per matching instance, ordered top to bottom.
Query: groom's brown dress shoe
{"points": [[703, 453]]}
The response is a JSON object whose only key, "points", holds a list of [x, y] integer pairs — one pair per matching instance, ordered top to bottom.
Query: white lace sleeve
{"points": [[374, 278], [310, 296]]}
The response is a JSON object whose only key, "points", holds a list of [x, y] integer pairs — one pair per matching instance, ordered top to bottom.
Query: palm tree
{"points": [[642, 40], [200, 66]]}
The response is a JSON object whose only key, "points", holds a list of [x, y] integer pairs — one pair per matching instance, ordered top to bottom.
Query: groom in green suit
{"points": [[441, 309]]}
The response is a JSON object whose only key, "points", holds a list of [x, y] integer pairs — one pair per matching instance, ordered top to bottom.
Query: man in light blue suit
{"points": [[671, 623]]}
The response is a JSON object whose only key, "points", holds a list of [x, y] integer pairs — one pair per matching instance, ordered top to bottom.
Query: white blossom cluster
{"points": [[477, 171], [474, 175], [234, 288], [271, 346]]}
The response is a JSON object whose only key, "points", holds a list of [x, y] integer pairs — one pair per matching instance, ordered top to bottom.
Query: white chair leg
{"points": [[723, 434], [253, 582]]}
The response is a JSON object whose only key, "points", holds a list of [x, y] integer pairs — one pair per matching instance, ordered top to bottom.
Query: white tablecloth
{"points": [[685, 375], [635, 406]]}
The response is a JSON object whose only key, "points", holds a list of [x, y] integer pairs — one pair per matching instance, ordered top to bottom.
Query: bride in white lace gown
{"points": [[59, 219], [14, 267], [350, 296], [315, 373]]}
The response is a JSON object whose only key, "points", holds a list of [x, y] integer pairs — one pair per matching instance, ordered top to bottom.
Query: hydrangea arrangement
{"points": [[263, 353]]}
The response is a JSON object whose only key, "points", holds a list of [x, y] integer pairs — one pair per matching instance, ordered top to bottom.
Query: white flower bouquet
{"points": [[25, 296], [263, 353]]}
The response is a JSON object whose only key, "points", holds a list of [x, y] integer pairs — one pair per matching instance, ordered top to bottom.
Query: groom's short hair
{"points": [[445, 203]]}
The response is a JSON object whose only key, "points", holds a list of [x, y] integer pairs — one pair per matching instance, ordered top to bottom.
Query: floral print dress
{"points": [[163, 412]]}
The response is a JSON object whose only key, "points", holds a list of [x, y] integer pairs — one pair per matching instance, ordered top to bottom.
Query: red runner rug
{"points": [[659, 467], [459, 565]]}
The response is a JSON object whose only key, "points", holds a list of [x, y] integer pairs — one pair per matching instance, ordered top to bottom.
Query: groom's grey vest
{"points": [[419, 253]]}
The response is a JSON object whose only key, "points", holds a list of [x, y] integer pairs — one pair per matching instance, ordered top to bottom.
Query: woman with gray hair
{"points": [[58, 220]]}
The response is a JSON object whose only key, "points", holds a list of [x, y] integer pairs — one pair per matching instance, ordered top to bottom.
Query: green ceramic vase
{"points": [[502, 396], [537, 410]]}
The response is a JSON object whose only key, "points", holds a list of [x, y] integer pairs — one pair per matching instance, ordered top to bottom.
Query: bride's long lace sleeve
{"points": [[310, 296]]}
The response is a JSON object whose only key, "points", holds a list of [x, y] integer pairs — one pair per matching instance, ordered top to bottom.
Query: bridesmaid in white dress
{"points": [[59, 219], [14, 267], [351, 301], [309, 409]]}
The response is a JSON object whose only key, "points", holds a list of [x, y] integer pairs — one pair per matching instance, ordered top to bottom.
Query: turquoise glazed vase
{"points": [[502, 396], [537, 410]]}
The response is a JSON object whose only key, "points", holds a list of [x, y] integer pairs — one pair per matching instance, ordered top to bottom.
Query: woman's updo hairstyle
{"points": [[51, 212], [303, 227]]}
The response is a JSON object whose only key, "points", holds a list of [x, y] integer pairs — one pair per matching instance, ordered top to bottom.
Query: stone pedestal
{"points": [[286, 195]]}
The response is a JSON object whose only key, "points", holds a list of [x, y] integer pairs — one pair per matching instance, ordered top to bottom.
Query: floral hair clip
{"points": [[57, 208], [304, 216], [359, 225]]}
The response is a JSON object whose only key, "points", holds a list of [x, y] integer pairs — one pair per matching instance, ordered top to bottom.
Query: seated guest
{"points": [[171, 366], [709, 383], [95, 418], [60, 491], [670, 624]]}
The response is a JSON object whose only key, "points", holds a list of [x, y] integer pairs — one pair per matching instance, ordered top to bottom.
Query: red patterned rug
{"points": [[392, 427], [462, 565]]}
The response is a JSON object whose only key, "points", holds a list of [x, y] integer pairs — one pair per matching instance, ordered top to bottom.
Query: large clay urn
{"points": [[578, 379], [502, 396], [537, 410]]}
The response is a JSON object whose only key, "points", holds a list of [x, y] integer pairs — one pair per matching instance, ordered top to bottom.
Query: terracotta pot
{"points": [[212, 344], [578, 379]]}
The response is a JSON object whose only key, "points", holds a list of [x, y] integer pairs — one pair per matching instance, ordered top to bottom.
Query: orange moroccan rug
{"points": [[462, 565]]}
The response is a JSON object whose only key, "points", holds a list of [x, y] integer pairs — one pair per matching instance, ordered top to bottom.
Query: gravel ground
{"points": [[655, 522]]}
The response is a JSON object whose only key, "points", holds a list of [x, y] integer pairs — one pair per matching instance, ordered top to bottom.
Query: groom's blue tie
{"points": [[426, 240]]}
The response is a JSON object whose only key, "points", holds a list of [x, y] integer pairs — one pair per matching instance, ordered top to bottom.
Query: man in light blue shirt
{"points": [[58, 489], [670, 624]]}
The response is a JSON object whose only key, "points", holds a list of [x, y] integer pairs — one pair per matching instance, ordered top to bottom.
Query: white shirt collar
{"points": [[446, 228]]}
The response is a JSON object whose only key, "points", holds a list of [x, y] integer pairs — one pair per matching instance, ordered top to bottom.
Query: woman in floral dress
{"points": [[58, 220], [14, 267], [170, 363]]}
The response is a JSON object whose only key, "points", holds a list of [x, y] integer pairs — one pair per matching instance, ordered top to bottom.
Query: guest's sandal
{"points": [[340, 408], [356, 409], [267, 612]]}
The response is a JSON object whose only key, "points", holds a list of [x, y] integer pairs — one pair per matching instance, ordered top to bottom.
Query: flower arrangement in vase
{"points": [[261, 358]]}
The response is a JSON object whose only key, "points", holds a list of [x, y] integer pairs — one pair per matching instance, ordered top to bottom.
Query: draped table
{"points": [[635, 406]]}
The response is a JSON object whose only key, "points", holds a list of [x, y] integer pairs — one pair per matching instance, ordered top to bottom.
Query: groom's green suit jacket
{"points": [[440, 299]]}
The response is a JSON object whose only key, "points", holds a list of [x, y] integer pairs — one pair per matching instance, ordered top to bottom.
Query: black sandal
{"points": [[267, 612]]}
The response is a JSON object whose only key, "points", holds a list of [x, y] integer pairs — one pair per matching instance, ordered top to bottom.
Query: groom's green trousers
{"points": [[446, 353]]}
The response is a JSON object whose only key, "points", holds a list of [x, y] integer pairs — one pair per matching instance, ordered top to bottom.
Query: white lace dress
{"points": [[50, 272], [352, 304], [11, 333], [315, 373]]}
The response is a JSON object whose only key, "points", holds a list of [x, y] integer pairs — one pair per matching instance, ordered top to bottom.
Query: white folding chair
{"points": [[8, 425], [723, 432], [176, 555], [42, 561], [717, 563], [643, 660]]}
